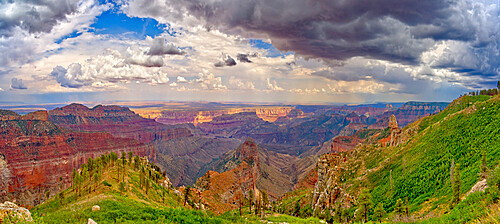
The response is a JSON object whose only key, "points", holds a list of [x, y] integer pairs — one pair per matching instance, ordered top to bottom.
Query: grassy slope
{"points": [[461, 132], [135, 206]]}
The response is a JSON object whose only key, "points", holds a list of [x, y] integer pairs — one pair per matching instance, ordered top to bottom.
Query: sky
{"points": [[272, 51]]}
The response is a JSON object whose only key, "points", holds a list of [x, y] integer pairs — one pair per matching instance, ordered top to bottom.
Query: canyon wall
{"points": [[173, 117], [119, 121], [35, 153]]}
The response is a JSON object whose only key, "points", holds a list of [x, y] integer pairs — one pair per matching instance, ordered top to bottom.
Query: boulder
{"points": [[479, 186], [9, 208], [96, 208]]}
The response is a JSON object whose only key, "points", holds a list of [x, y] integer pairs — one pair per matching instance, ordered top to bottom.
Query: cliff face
{"points": [[412, 111], [269, 114], [119, 121], [35, 153], [184, 159], [249, 167], [328, 189]]}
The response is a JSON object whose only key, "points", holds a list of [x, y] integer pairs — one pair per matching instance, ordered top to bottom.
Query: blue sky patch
{"points": [[119, 24], [68, 36], [271, 50]]}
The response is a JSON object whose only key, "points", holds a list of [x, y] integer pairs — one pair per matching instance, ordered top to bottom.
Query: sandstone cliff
{"points": [[269, 113], [119, 121], [35, 153], [249, 167]]}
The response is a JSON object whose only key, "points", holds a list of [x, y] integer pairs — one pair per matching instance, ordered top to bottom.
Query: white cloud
{"points": [[181, 79], [210, 82], [236, 83], [273, 85]]}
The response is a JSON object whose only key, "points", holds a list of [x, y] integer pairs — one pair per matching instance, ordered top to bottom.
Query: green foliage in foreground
{"points": [[132, 203], [118, 209]]}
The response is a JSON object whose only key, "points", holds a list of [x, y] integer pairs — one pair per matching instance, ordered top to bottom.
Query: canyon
{"points": [[269, 113], [40, 147], [37, 156]]}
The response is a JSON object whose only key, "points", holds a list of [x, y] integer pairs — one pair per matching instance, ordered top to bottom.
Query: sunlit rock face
{"points": [[172, 117], [119, 121], [36, 153], [248, 167]]}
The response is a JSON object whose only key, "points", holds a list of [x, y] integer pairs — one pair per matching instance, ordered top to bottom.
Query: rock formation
{"points": [[171, 117], [119, 121], [393, 126], [35, 153], [249, 167], [327, 189], [10, 209]]}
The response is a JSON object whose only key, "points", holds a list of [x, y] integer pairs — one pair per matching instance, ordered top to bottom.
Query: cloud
{"points": [[34, 16], [406, 32], [158, 47], [138, 57], [243, 58], [226, 61], [108, 69], [71, 77], [181, 79], [210, 82], [236, 83], [17, 84], [273, 85]]}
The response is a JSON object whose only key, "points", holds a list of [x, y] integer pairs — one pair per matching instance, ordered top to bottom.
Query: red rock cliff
{"points": [[119, 121], [35, 153]]}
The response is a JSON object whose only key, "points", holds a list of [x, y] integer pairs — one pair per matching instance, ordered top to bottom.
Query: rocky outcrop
{"points": [[412, 111], [119, 121], [393, 127], [35, 153], [249, 167], [479, 186], [328, 189], [10, 209]]}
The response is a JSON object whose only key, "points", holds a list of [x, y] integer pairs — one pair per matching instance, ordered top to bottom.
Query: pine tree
{"points": [[130, 154], [124, 161], [137, 162], [484, 167], [73, 175], [96, 180], [456, 186], [122, 187], [187, 193], [61, 197], [239, 199], [250, 199], [265, 199], [365, 201], [399, 208], [379, 212], [338, 213]]}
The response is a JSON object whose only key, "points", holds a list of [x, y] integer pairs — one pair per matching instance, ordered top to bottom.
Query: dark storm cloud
{"points": [[34, 16], [386, 29], [243, 58], [227, 61], [17, 84]]}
